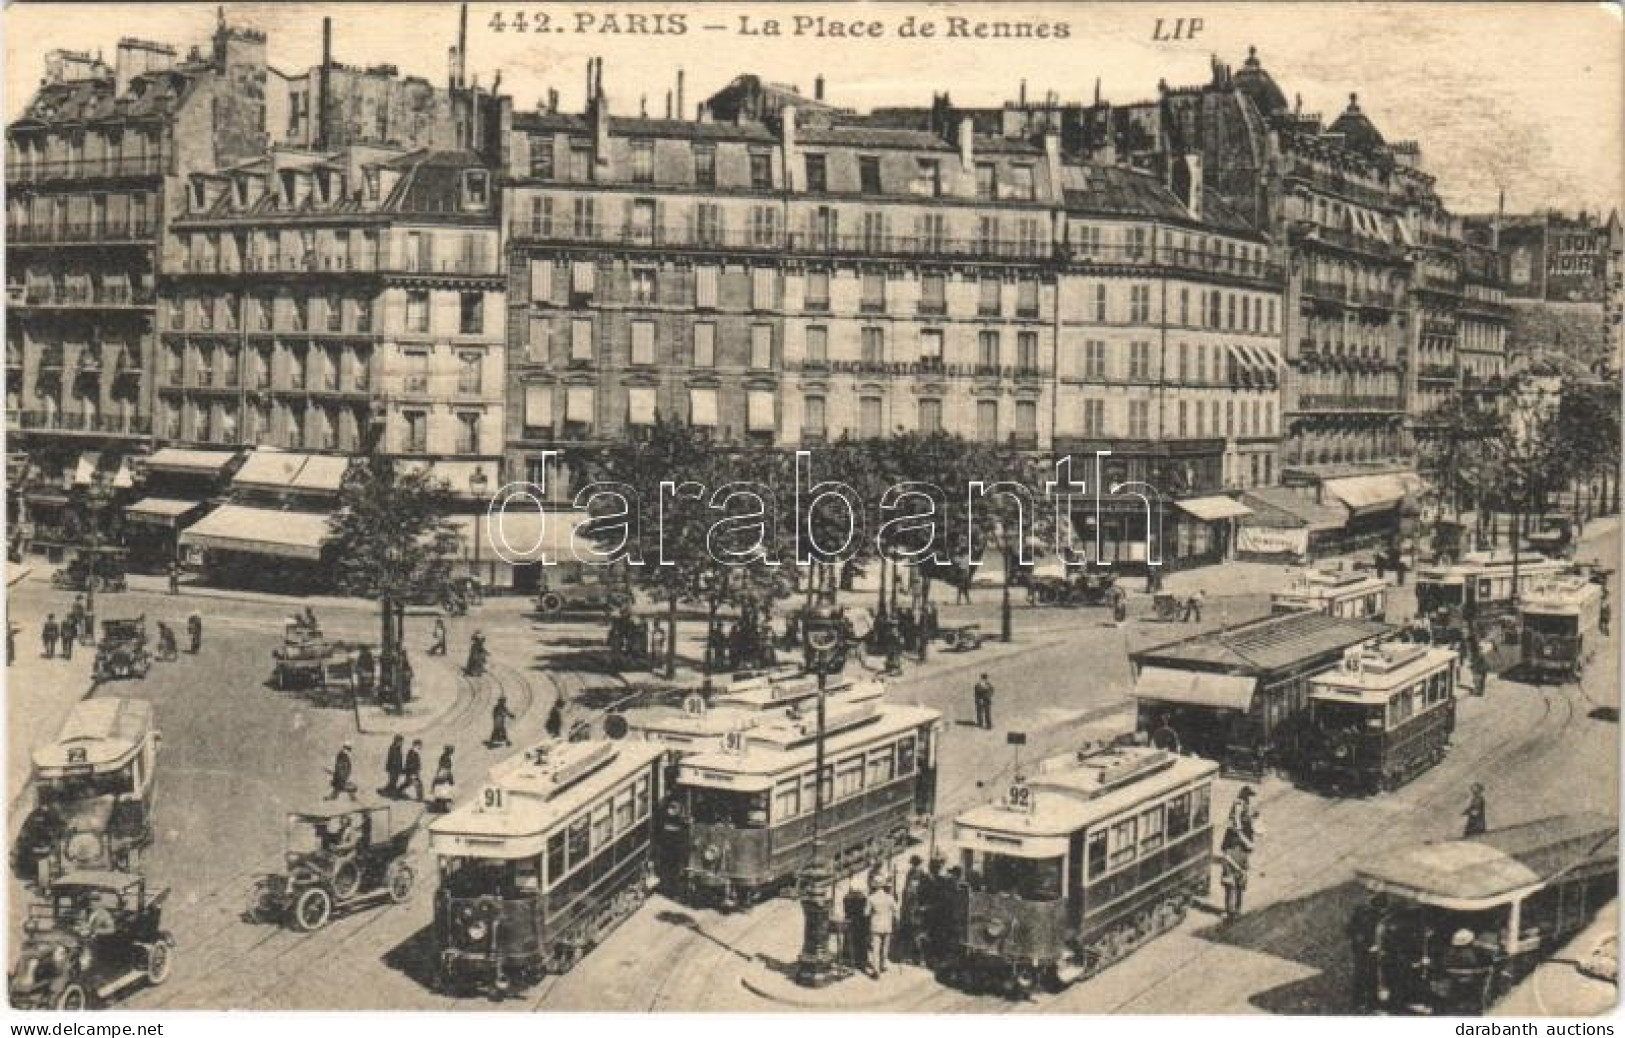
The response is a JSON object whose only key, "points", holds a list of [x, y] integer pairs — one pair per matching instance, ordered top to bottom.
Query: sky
{"points": [[1526, 98]]}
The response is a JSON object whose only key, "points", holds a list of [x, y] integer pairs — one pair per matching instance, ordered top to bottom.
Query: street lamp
{"points": [[98, 495], [814, 967]]}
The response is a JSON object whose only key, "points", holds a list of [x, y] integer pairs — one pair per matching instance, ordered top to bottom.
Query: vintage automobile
{"points": [[1554, 539], [100, 569], [1077, 587], [592, 588], [122, 651], [307, 660], [93, 792], [339, 856], [1463, 920], [95, 935]]}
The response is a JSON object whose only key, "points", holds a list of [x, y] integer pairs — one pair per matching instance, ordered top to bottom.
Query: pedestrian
{"points": [[963, 574], [174, 578], [1119, 599], [1193, 607], [76, 612], [1605, 613], [929, 627], [194, 632], [49, 634], [70, 634], [11, 642], [437, 647], [167, 650], [475, 666], [366, 669], [1481, 672], [401, 694], [983, 696], [500, 716], [555, 718], [394, 764], [343, 766], [412, 771], [444, 788], [1477, 813], [1244, 816], [1235, 860], [856, 907], [908, 911], [882, 921], [1367, 933]]}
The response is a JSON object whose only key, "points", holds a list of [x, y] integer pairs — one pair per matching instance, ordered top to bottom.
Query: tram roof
{"points": [[1476, 562], [1330, 583], [1564, 595], [1373, 676], [735, 714], [99, 734], [771, 750], [1071, 798], [518, 823], [1498, 867]]}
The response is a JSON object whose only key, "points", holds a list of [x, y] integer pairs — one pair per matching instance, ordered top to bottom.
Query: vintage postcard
{"points": [[813, 507]]}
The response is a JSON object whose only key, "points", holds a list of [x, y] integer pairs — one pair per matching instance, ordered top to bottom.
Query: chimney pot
{"points": [[818, 87]]}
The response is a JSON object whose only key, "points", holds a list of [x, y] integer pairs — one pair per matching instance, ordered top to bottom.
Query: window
{"points": [[541, 157], [643, 162], [705, 167], [761, 171], [817, 174], [869, 174], [927, 178], [987, 180], [1021, 183], [476, 188], [586, 217], [641, 221], [707, 224], [764, 225], [874, 231], [987, 235], [643, 286], [705, 287], [764, 288], [817, 290], [874, 292], [989, 292], [933, 293], [1027, 298], [1100, 304], [1139, 304], [417, 311], [581, 339], [643, 342], [818, 344], [705, 345], [873, 345], [931, 346], [761, 347], [987, 349], [1027, 351], [1094, 360], [1139, 361], [1201, 362], [469, 367], [415, 377], [640, 406], [539, 408], [869, 416], [930, 416], [813, 417], [1184, 418], [1230, 418], [1027, 419], [1139, 419], [987, 420], [417, 431], [468, 433], [882, 766], [848, 777], [787, 799], [1200, 804], [1179, 816], [1151, 830], [580, 841], [1120, 843], [1096, 853]]}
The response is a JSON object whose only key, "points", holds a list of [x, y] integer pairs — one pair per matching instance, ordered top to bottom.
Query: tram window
{"points": [[905, 757], [881, 763], [848, 777], [643, 798], [787, 799], [1200, 801], [722, 807], [623, 811], [1179, 816], [601, 827], [1151, 830], [580, 840], [1121, 848], [1097, 853], [555, 857], [527, 876], [1031, 879]]}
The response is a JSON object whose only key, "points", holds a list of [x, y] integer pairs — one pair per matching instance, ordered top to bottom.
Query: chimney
{"points": [[462, 47], [132, 58], [322, 83], [818, 87], [1097, 90], [679, 93], [1023, 94], [552, 99], [588, 101], [668, 104], [643, 106], [598, 115], [787, 143], [967, 144], [1107, 156], [1052, 159], [1193, 199], [1495, 225]]}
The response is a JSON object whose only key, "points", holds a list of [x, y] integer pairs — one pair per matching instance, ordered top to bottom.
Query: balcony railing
{"points": [[85, 169], [36, 233], [794, 242], [1360, 243], [1154, 255], [78, 296], [1446, 329], [924, 366], [1436, 372], [1344, 402], [60, 421]]}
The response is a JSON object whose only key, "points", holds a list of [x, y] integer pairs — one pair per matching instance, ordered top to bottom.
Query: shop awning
{"points": [[175, 459], [290, 470], [322, 472], [1362, 495], [1285, 507], [1212, 508], [160, 511], [260, 531], [521, 537], [1195, 688]]}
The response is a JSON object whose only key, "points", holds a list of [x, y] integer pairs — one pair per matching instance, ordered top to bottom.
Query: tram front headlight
{"points": [[1341, 751], [710, 854], [477, 930]]}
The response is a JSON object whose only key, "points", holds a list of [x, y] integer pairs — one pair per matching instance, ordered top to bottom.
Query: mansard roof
{"points": [[1357, 130]]}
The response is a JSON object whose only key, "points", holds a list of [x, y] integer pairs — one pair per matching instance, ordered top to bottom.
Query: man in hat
{"points": [[194, 631], [49, 634], [70, 634], [437, 647], [476, 656], [983, 698], [500, 716], [555, 718], [394, 762], [343, 765], [412, 771], [1477, 813], [1244, 815], [908, 911]]}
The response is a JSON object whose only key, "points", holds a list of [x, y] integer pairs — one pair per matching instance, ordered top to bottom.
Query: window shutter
{"points": [[583, 276], [541, 280], [705, 287], [581, 340], [705, 341], [643, 342], [761, 346], [579, 405], [640, 405], [759, 406], [539, 407], [702, 407]]}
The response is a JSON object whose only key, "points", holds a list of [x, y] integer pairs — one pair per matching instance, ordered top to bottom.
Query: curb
{"points": [[785, 993]]}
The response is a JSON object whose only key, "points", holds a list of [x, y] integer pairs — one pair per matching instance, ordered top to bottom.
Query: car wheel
{"points": [[551, 603], [400, 878], [346, 880], [262, 900], [312, 910], [158, 962], [71, 999]]}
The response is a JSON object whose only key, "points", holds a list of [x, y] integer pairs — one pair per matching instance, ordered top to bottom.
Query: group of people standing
{"points": [[59, 637], [403, 767], [880, 921]]}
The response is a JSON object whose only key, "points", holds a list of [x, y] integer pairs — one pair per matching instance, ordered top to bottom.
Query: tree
{"points": [[1586, 435], [1466, 437], [391, 541]]}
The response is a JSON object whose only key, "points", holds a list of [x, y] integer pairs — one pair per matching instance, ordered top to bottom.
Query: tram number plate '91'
{"points": [[492, 799]]}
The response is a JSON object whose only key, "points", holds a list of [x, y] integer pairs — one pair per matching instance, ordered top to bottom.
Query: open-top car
{"points": [[99, 569], [122, 651], [338, 856], [94, 935]]}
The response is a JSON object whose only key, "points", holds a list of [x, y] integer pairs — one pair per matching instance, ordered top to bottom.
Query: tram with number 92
{"points": [[1560, 627], [739, 823], [550, 857], [1081, 863]]}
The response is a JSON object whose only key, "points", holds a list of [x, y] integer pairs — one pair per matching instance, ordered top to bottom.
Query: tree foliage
{"points": [[390, 536]]}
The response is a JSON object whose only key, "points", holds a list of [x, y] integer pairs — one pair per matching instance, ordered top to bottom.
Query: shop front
{"points": [[177, 488]]}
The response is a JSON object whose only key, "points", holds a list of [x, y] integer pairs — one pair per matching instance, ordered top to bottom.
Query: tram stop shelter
{"points": [[1233, 694]]}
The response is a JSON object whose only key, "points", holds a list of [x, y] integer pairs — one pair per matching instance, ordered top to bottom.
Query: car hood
{"points": [[89, 815]]}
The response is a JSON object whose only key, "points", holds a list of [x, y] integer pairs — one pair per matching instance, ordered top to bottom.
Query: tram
{"points": [[1480, 585], [1335, 592], [1560, 627], [1381, 719], [697, 726], [94, 791], [740, 819], [550, 857], [1090, 857], [1459, 922]]}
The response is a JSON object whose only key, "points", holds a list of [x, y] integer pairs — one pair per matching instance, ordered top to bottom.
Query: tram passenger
{"points": [[1468, 970]]}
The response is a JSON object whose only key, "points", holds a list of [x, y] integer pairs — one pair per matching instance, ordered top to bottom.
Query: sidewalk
{"points": [[438, 686]]}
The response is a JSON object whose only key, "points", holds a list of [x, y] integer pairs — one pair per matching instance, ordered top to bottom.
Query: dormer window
{"points": [[370, 175], [241, 186], [476, 189], [288, 195], [200, 197]]}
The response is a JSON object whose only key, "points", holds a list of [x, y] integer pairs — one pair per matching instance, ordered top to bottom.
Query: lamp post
{"points": [[478, 485], [98, 495], [814, 967]]}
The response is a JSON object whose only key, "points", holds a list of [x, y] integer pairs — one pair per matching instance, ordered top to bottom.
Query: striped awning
{"points": [[260, 531], [1195, 688]]}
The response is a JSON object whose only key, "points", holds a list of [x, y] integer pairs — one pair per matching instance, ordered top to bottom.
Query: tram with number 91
{"points": [[740, 820], [550, 857], [1081, 863]]}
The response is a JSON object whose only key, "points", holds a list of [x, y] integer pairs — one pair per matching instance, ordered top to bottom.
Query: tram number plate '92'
{"points": [[1019, 798]]}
